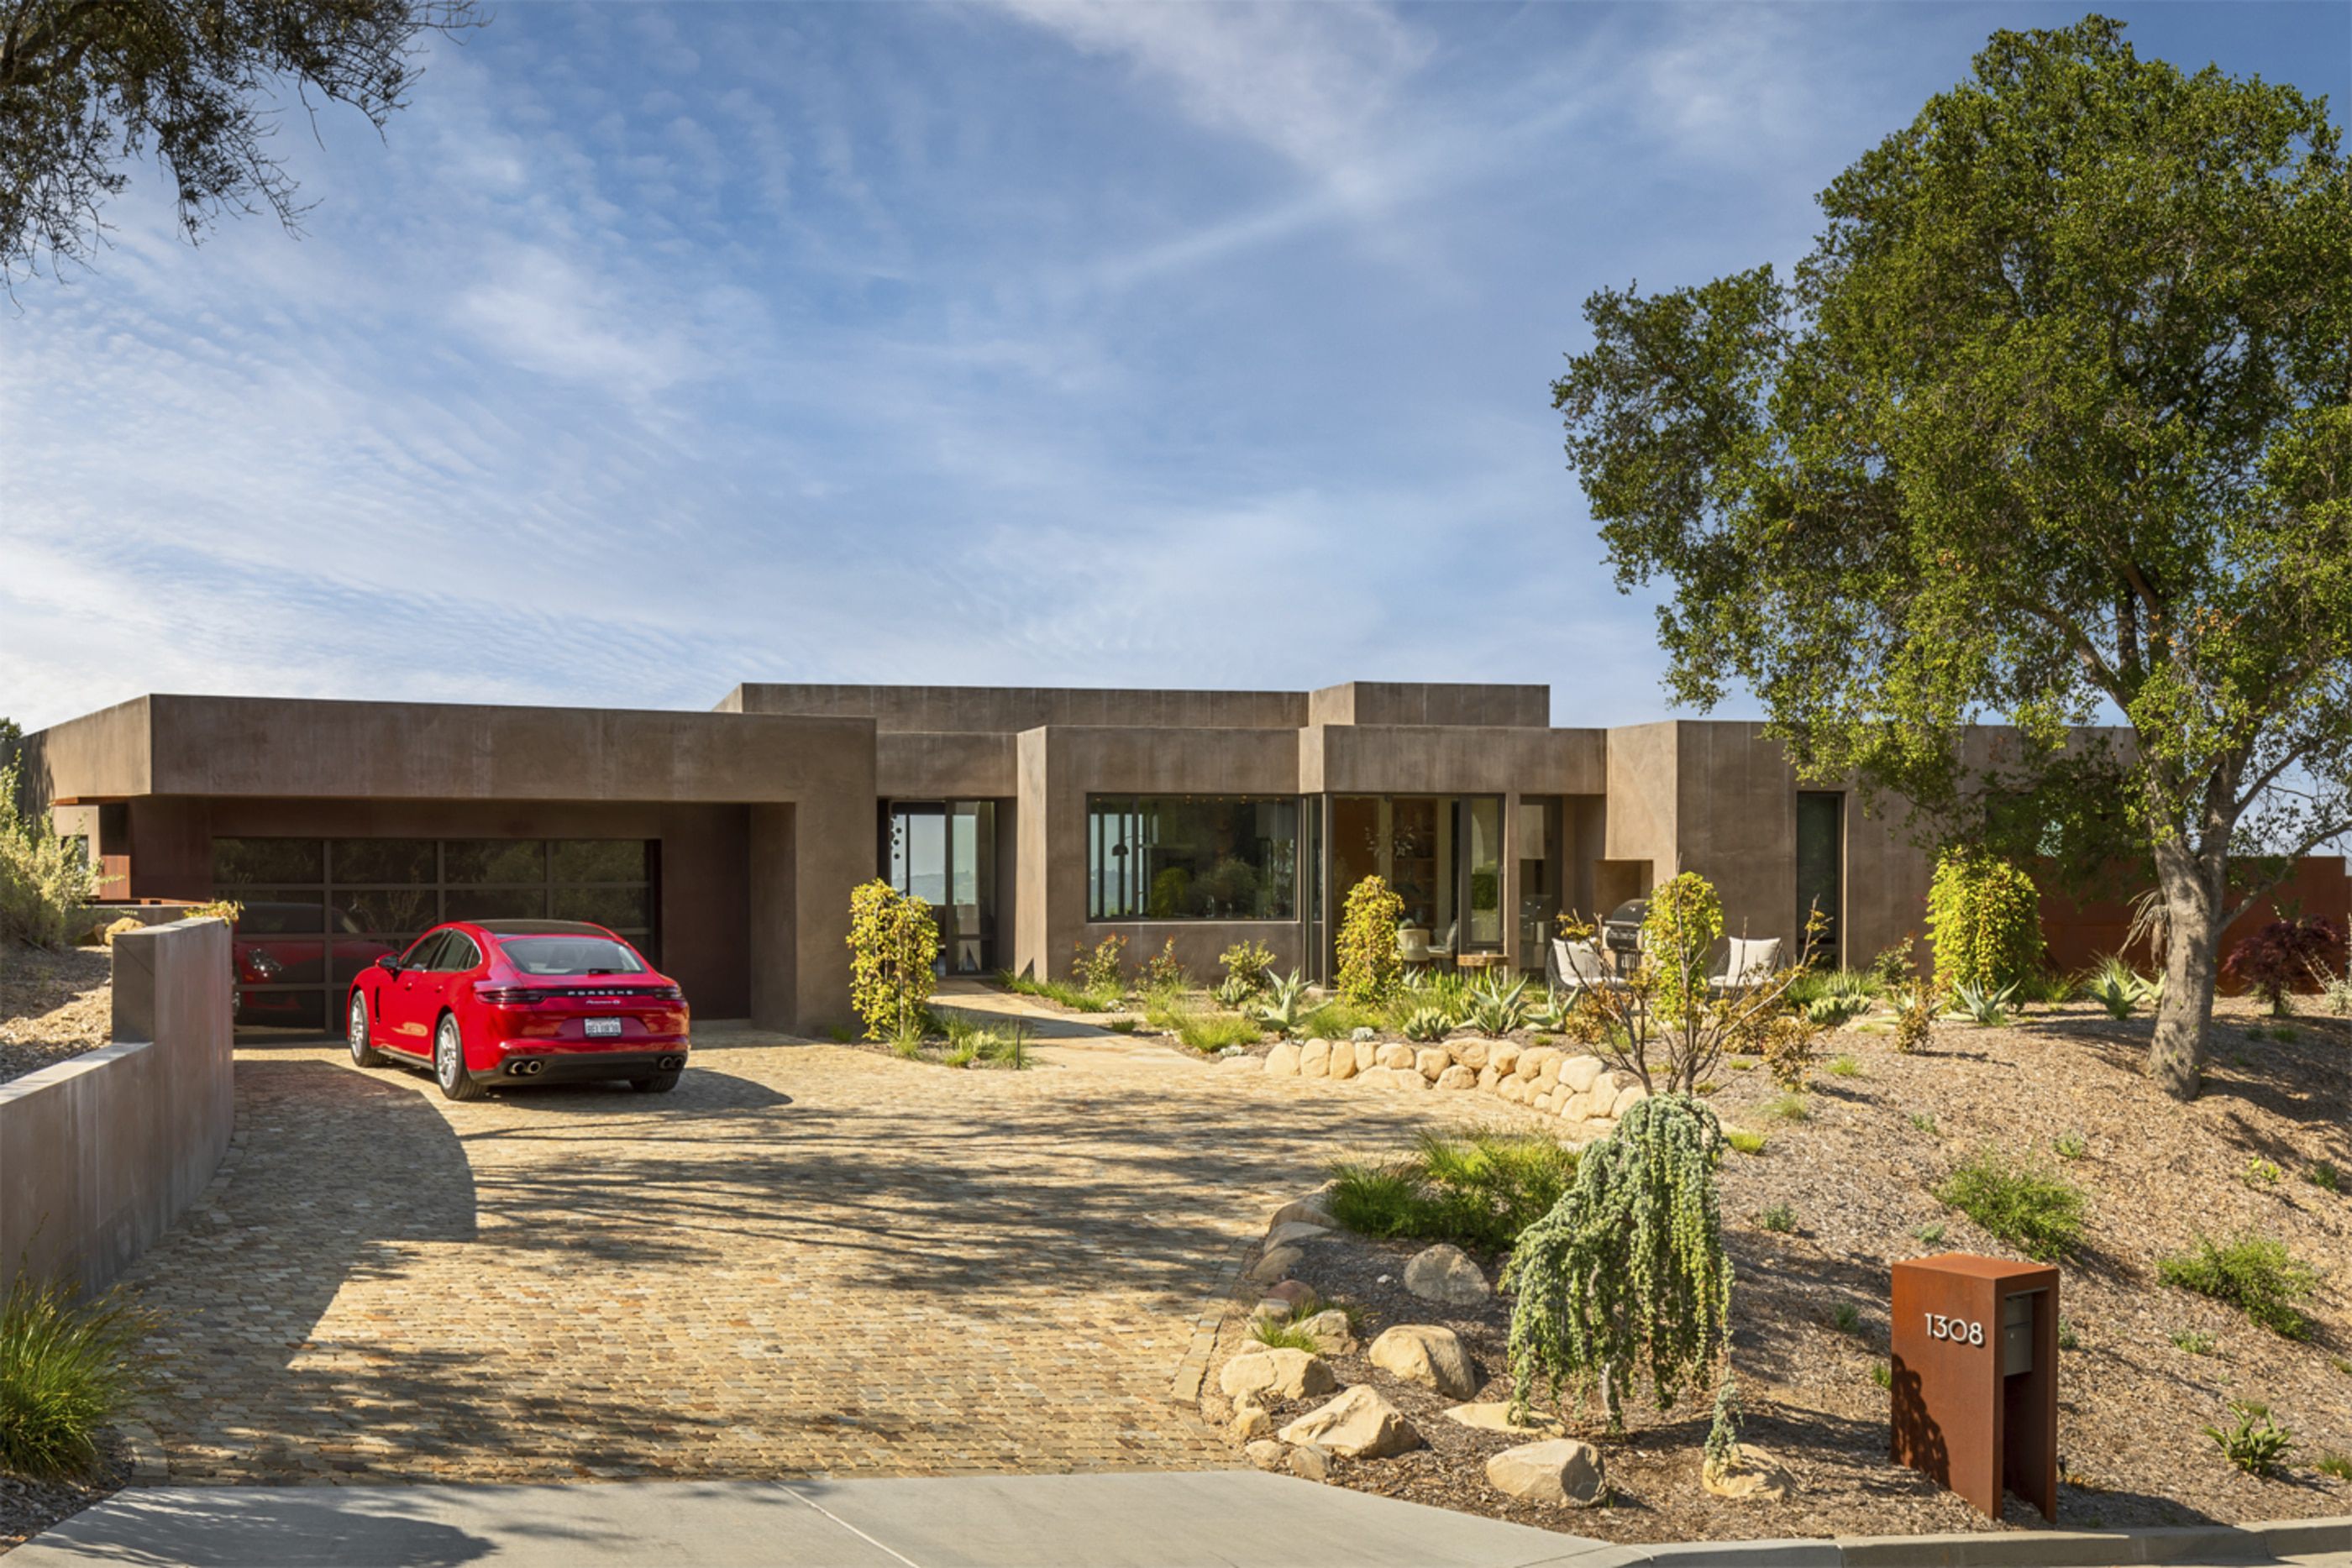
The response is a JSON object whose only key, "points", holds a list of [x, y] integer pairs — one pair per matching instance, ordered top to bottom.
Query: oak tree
{"points": [[2052, 426]]}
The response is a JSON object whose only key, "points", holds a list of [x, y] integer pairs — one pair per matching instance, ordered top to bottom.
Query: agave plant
{"points": [[2118, 987], [1234, 993], [1284, 1005], [1985, 1006], [1496, 1009], [1834, 1009], [1549, 1012], [1425, 1024]]}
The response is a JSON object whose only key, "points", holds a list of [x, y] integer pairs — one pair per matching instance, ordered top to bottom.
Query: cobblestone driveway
{"points": [[808, 1259]]}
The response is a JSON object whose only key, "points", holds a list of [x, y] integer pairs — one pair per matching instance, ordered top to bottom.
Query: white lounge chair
{"points": [[1746, 962], [1573, 967]]}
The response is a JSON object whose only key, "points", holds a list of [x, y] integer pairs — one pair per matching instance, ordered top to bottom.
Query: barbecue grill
{"points": [[1622, 932]]}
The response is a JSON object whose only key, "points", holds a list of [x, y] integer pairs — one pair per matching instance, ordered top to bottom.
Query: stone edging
{"points": [[1575, 1088], [1216, 1306], [2254, 1542]]}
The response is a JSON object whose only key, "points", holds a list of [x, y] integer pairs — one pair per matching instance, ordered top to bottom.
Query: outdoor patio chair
{"points": [[1413, 943], [1746, 963], [1573, 967]]}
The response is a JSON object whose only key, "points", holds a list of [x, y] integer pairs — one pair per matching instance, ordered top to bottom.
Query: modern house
{"points": [[1034, 821]]}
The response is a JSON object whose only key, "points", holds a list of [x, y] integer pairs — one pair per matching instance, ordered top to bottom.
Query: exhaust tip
{"points": [[671, 1063], [530, 1067]]}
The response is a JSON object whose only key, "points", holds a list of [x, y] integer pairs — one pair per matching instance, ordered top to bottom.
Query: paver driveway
{"points": [[808, 1259]]}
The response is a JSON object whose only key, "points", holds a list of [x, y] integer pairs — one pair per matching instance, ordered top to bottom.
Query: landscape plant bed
{"points": [[53, 1005], [1855, 1181], [27, 1506]]}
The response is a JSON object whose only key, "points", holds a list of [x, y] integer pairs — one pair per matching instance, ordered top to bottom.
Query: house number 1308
{"points": [[1957, 1329]]}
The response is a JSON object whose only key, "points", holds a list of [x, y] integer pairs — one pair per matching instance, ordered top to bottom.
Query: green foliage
{"points": [[1949, 471], [44, 880], [1984, 919], [1678, 936], [894, 950], [1368, 964], [1248, 965], [1895, 967], [1097, 970], [1161, 972], [2118, 988], [1063, 993], [1233, 994], [1283, 1006], [1496, 1009], [1990, 1009], [1914, 1017], [1339, 1020], [1425, 1024], [1198, 1029], [1789, 1044], [1844, 1067], [1788, 1106], [1924, 1122], [1746, 1142], [2069, 1145], [2259, 1172], [2323, 1174], [1478, 1190], [2035, 1210], [1780, 1219], [1931, 1234], [2251, 1272], [1626, 1274], [1846, 1318], [1281, 1334], [2069, 1338], [2195, 1343], [68, 1368], [1881, 1374], [1723, 1431], [2254, 1443], [2335, 1465]]}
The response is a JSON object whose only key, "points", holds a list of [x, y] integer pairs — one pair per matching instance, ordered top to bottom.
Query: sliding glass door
{"points": [[944, 853], [1442, 854]]}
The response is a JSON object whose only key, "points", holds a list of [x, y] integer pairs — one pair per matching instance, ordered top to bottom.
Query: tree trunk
{"points": [[2184, 1013]]}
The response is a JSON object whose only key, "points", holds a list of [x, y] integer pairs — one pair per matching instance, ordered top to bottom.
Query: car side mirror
{"points": [[389, 963]]}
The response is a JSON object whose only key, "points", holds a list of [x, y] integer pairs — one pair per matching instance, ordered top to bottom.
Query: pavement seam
{"points": [[877, 1545]]}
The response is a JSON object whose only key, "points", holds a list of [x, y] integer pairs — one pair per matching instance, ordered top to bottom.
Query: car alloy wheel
{"points": [[363, 1050], [449, 1062]]}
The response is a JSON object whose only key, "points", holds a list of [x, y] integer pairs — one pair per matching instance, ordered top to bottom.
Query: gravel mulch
{"points": [[53, 1005], [1857, 1174], [28, 1506]]}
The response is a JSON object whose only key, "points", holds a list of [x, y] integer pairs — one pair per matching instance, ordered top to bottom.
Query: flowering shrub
{"points": [[894, 947], [2282, 956], [1368, 964], [1247, 965], [1101, 968], [1161, 972]]}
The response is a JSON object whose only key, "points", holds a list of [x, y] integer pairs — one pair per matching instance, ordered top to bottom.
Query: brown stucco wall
{"points": [[1480, 705], [1009, 710], [1446, 760], [945, 765], [99, 1154]]}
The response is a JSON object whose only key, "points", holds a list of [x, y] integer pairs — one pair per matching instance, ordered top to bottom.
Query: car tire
{"points": [[363, 1050], [449, 1062], [658, 1083]]}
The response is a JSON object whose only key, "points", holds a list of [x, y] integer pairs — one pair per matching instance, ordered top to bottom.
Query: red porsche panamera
{"points": [[494, 1003]]}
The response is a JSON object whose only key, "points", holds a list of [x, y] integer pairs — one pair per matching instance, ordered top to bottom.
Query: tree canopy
{"points": [[86, 85], [2053, 424]]}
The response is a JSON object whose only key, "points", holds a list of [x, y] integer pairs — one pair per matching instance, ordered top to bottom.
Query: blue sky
{"points": [[657, 349]]}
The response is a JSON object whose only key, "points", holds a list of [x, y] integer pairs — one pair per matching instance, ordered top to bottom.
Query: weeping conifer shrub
{"points": [[1627, 1272]]}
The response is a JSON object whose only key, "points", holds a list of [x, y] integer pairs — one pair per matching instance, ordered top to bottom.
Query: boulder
{"points": [[1472, 1053], [1368, 1054], [1394, 1054], [1504, 1058], [1315, 1059], [1535, 1059], [1430, 1060], [1343, 1061], [1282, 1062], [1579, 1072], [1489, 1076], [1457, 1077], [1394, 1078], [1604, 1087], [1515, 1089], [1627, 1098], [1576, 1108], [1310, 1208], [1294, 1231], [1274, 1264], [1445, 1273], [1290, 1292], [1331, 1332], [1430, 1356], [1275, 1374], [1495, 1416], [1250, 1423], [1358, 1425], [1267, 1454], [1310, 1462], [1556, 1470], [1748, 1473]]}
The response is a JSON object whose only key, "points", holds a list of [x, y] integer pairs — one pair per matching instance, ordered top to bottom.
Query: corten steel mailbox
{"points": [[1976, 1376]]}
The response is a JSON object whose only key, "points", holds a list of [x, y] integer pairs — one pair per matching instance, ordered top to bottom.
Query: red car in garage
{"points": [[495, 1003]]}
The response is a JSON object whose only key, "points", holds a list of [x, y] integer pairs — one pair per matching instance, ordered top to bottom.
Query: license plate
{"points": [[602, 1029]]}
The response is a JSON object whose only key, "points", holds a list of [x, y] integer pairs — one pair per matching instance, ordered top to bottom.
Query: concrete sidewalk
{"points": [[1231, 1519]]}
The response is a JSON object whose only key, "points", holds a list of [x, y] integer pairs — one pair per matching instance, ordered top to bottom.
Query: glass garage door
{"points": [[318, 911]]}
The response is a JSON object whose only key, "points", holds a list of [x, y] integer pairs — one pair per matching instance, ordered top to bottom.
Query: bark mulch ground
{"points": [[52, 1006], [1882, 1130]]}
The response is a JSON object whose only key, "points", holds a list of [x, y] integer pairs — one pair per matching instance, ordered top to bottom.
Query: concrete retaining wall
{"points": [[99, 1154]]}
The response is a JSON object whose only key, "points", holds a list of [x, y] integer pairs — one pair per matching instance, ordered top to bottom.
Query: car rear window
{"points": [[571, 956]]}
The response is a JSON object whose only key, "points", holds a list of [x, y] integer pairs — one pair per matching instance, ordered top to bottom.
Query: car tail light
{"points": [[666, 994], [508, 996]]}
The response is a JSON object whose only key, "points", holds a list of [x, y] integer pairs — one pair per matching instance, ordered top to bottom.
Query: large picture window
{"points": [[1191, 857]]}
